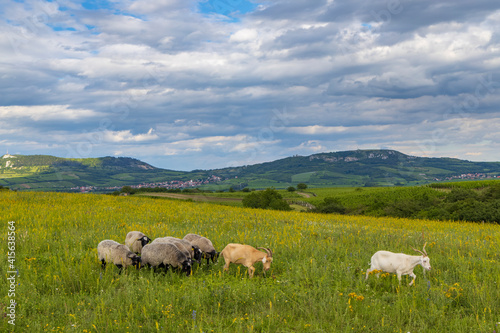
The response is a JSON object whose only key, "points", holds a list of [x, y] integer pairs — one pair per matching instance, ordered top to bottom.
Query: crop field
{"points": [[316, 282]]}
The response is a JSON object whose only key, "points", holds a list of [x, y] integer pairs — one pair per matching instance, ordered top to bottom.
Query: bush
{"points": [[301, 186], [127, 189], [291, 189], [459, 194], [268, 199], [331, 205]]}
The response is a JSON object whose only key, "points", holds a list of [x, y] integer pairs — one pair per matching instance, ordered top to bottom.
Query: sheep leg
{"points": [[103, 264]]}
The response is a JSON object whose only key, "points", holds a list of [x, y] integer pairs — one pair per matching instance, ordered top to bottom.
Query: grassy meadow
{"points": [[316, 282]]}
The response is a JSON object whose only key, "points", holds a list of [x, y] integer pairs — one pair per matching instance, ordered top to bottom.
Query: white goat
{"points": [[247, 256], [399, 263]]}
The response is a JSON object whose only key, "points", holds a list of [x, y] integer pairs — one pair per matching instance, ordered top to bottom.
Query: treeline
{"points": [[457, 203]]}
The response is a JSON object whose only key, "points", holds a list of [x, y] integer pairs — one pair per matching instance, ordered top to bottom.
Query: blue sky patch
{"points": [[97, 4], [226, 7], [60, 28]]}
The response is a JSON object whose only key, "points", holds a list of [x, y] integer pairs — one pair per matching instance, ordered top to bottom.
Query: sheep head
{"points": [[144, 240], [198, 254], [136, 260], [186, 267]]}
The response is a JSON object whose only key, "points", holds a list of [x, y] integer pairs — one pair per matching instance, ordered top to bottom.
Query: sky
{"points": [[184, 85]]}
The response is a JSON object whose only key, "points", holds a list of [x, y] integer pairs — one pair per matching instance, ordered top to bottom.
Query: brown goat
{"points": [[246, 255]]}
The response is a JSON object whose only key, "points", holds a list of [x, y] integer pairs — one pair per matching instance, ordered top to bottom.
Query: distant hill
{"points": [[347, 168], [362, 168], [44, 172]]}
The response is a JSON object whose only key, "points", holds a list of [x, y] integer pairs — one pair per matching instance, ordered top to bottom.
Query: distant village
{"points": [[471, 176], [173, 184]]}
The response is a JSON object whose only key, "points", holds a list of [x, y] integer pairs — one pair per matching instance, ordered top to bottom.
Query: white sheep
{"points": [[135, 240], [205, 246], [193, 250], [116, 253], [163, 255], [246, 255], [399, 263]]}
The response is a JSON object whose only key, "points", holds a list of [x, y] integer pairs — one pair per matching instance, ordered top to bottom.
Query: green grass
{"points": [[316, 282]]}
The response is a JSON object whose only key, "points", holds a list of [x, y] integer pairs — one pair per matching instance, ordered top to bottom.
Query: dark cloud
{"points": [[165, 83]]}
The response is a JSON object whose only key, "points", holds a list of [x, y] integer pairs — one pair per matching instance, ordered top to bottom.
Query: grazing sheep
{"points": [[136, 240], [205, 246], [181, 247], [194, 251], [116, 253], [164, 255], [247, 256], [399, 263]]}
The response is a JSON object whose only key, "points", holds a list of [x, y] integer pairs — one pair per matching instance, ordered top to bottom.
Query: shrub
{"points": [[267, 199], [331, 205]]}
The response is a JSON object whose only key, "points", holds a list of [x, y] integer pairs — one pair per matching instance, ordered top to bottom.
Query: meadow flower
{"points": [[78, 270]]}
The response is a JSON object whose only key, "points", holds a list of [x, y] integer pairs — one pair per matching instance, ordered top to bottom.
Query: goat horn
{"points": [[424, 248], [267, 250], [418, 251], [270, 252]]}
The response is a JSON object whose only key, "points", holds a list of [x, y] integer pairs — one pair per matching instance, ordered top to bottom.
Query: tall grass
{"points": [[316, 282]]}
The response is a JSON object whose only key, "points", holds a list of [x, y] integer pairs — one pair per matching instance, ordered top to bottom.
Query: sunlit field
{"points": [[316, 282]]}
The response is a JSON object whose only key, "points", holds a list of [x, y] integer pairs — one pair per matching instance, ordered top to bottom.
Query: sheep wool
{"points": [[136, 240], [205, 246], [109, 251], [194, 251], [158, 254]]}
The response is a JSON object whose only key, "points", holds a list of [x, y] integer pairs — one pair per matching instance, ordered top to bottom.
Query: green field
{"points": [[316, 282]]}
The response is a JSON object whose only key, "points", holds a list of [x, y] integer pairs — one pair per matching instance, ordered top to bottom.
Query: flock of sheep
{"points": [[177, 253]]}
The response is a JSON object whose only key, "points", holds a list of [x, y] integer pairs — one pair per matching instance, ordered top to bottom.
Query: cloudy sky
{"points": [[184, 84]]}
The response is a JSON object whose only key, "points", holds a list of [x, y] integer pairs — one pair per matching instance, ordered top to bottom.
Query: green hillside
{"points": [[360, 168], [42, 172]]}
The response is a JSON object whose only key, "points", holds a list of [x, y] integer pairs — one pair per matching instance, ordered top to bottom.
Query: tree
{"points": [[301, 186], [127, 189], [291, 189], [267, 199], [331, 205]]}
